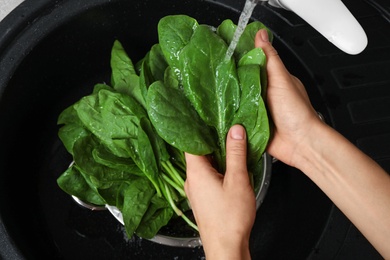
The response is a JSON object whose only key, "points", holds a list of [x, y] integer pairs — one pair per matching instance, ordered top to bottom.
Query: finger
{"points": [[262, 41], [275, 66], [195, 163], [199, 168], [236, 168], [200, 173]]}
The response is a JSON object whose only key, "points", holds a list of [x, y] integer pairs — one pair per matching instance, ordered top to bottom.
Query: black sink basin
{"points": [[51, 54]]}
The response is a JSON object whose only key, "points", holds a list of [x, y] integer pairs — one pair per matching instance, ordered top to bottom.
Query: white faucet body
{"points": [[332, 19]]}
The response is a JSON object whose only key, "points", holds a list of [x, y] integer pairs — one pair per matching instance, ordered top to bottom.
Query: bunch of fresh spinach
{"points": [[128, 138]]}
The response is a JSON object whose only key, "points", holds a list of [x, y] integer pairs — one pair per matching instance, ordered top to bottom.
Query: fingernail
{"points": [[264, 35], [237, 132]]}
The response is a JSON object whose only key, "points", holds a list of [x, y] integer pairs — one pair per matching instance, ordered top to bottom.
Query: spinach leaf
{"points": [[174, 33], [246, 42], [245, 53], [253, 57], [156, 62], [121, 64], [152, 69], [124, 78], [146, 78], [170, 78], [209, 81], [101, 86], [119, 111], [252, 113], [68, 116], [176, 121], [72, 128], [70, 133], [128, 139], [158, 145], [103, 156], [145, 158], [102, 176], [74, 183], [109, 194], [137, 198], [158, 215]]}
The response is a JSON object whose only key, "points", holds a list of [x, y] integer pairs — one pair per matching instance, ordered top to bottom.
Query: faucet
{"points": [[331, 18]]}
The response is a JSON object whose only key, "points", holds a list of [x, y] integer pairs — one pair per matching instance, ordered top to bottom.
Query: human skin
{"points": [[357, 185], [224, 206]]}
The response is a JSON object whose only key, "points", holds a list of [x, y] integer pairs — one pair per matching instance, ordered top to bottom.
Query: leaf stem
{"points": [[172, 172], [174, 185], [167, 193]]}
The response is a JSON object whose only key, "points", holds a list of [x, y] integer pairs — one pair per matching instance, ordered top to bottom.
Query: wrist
{"points": [[311, 149], [226, 248]]}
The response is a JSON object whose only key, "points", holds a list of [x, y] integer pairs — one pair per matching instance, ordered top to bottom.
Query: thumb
{"points": [[262, 41], [274, 64], [236, 168]]}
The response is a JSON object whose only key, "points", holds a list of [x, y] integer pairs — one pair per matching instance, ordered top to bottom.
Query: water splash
{"points": [[242, 22]]}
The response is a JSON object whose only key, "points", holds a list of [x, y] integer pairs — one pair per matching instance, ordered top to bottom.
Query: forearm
{"points": [[353, 181]]}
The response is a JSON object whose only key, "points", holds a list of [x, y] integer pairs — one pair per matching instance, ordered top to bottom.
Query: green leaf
{"points": [[174, 34], [247, 40], [257, 57], [157, 63], [121, 65], [152, 69], [124, 78], [146, 78], [171, 79], [210, 83], [101, 86], [252, 113], [68, 116], [112, 117], [177, 122], [70, 133], [128, 140], [158, 144], [103, 156], [145, 157], [102, 176], [73, 183], [110, 194], [137, 198], [158, 215]]}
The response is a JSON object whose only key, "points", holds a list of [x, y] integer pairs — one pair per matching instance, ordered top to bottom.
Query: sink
{"points": [[53, 54]]}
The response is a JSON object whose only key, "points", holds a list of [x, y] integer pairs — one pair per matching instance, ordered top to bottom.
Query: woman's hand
{"points": [[289, 105], [353, 181], [224, 206]]}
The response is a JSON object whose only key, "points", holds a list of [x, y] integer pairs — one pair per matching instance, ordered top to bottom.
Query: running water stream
{"points": [[242, 22]]}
